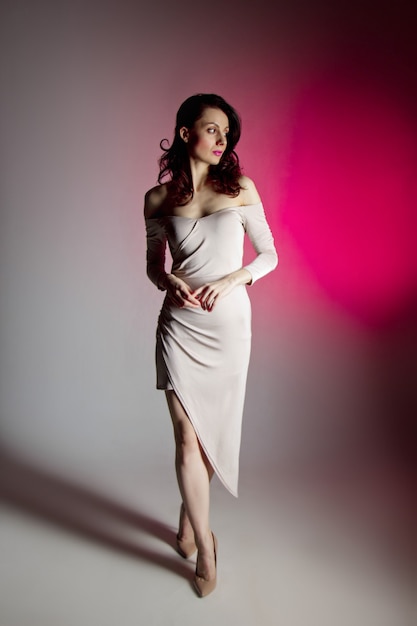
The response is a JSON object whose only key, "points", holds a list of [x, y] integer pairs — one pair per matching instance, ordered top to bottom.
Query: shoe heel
{"points": [[185, 548], [203, 586]]}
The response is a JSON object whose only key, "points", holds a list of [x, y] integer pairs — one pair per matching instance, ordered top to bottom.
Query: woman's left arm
{"points": [[258, 231], [260, 235], [262, 240]]}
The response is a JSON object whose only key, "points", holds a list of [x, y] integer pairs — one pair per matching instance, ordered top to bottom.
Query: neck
{"points": [[199, 173]]}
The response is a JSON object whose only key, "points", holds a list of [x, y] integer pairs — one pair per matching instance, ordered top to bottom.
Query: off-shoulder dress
{"points": [[204, 355]]}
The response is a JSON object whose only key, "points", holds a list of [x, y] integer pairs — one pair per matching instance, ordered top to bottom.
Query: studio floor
{"points": [[295, 549]]}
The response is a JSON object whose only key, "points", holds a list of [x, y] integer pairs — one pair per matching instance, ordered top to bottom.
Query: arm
{"points": [[259, 233], [155, 235], [262, 240], [155, 252], [266, 260], [178, 291]]}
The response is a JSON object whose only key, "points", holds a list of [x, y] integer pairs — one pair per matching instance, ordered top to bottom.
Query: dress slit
{"points": [[203, 356]]}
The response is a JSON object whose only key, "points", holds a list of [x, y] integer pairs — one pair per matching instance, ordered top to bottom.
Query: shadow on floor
{"points": [[76, 509]]}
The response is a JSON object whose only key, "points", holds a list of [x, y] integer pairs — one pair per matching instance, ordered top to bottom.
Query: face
{"points": [[207, 139]]}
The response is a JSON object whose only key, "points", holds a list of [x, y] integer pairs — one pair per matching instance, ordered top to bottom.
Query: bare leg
{"points": [[193, 474], [185, 530]]}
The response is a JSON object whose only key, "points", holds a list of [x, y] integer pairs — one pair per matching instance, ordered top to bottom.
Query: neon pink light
{"points": [[351, 201]]}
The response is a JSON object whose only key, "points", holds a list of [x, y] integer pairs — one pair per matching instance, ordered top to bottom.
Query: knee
{"points": [[186, 446]]}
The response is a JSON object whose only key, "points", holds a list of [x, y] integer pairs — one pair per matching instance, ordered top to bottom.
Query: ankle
{"points": [[204, 541]]}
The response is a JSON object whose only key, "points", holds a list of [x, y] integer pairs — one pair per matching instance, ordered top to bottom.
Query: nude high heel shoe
{"points": [[185, 548], [203, 586]]}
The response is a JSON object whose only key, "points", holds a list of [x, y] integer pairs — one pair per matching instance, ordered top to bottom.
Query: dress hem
{"points": [[212, 463]]}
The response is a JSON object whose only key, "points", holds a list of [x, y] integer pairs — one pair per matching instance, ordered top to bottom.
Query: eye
{"points": [[211, 130]]}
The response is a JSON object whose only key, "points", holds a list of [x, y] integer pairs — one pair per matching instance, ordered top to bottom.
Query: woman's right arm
{"points": [[155, 238], [178, 291]]}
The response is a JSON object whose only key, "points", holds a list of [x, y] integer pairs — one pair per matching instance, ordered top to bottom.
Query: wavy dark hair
{"points": [[175, 162]]}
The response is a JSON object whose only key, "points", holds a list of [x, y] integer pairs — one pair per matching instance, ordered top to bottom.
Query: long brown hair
{"points": [[175, 162]]}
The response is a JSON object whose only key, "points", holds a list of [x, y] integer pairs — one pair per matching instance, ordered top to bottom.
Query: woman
{"points": [[204, 328]]}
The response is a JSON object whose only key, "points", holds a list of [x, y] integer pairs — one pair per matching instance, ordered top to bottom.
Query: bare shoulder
{"points": [[248, 194], [155, 199]]}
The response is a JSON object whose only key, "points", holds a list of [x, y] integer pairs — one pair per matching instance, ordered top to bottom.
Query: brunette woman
{"points": [[203, 211]]}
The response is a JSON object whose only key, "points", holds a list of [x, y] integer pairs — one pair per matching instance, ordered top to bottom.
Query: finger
{"points": [[201, 291], [188, 295], [189, 298], [209, 298], [182, 300], [193, 300], [203, 301], [209, 302], [213, 302], [190, 305]]}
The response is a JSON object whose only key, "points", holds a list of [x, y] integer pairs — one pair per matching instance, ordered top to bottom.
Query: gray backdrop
{"points": [[88, 91]]}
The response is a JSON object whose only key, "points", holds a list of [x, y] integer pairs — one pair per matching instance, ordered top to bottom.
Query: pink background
{"points": [[329, 136]]}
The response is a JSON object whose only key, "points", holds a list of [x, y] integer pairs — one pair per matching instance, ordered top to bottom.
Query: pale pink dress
{"points": [[204, 356]]}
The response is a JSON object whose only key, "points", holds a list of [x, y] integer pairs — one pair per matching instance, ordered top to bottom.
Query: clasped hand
{"points": [[205, 296]]}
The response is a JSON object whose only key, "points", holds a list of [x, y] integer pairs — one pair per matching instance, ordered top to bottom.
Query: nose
{"points": [[221, 139]]}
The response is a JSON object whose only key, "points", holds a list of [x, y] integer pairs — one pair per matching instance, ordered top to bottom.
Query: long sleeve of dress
{"points": [[260, 235], [155, 251]]}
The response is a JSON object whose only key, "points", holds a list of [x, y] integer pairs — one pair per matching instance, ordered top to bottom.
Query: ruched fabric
{"points": [[204, 355]]}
